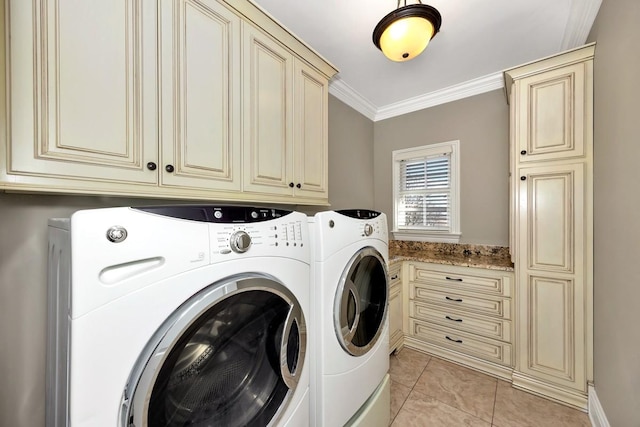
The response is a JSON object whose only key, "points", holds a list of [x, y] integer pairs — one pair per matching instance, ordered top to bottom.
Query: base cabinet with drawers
{"points": [[395, 307], [460, 313]]}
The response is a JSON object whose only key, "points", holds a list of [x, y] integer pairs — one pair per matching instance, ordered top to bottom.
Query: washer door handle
{"points": [[350, 292], [289, 368]]}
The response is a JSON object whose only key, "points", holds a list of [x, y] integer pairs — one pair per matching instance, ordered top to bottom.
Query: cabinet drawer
{"points": [[395, 271], [462, 278], [489, 305], [490, 327], [484, 348]]}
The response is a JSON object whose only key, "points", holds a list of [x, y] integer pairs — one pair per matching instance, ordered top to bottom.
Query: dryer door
{"points": [[360, 306], [230, 356]]}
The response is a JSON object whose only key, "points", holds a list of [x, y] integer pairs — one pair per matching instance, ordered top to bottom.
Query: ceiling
{"points": [[477, 41]]}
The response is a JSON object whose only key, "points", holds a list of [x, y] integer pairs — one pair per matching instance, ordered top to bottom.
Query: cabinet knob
{"points": [[523, 152], [151, 166], [169, 168], [523, 178], [291, 184], [298, 185]]}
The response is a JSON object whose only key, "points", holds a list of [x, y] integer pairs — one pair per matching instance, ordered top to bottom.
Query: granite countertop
{"points": [[479, 256]]}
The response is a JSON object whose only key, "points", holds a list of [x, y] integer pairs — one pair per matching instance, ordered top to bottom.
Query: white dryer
{"points": [[181, 315], [349, 327]]}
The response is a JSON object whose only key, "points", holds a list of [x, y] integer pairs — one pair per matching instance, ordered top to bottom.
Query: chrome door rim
{"points": [[344, 289]]}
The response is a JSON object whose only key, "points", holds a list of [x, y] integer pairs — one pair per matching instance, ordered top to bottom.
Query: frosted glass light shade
{"points": [[404, 33], [406, 38]]}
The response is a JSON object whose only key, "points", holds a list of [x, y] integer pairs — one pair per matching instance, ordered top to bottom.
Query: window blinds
{"points": [[425, 193]]}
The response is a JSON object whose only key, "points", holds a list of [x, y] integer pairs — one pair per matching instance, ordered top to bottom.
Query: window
{"points": [[426, 193]]}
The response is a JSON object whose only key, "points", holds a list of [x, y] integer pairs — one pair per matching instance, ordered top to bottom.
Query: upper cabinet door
{"points": [[200, 87], [83, 89], [268, 114], [550, 114], [311, 132]]}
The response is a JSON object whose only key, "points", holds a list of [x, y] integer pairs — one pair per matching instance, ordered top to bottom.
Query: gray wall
{"points": [[481, 123], [617, 211], [23, 252]]}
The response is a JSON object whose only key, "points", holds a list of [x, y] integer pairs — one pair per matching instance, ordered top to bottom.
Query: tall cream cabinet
{"points": [[163, 99], [551, 103]]}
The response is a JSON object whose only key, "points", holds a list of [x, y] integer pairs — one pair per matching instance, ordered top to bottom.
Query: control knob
{"points": [[368, 229], [240, 242]]}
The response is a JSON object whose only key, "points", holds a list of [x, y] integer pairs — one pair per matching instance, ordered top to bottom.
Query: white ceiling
{"points": [[478, 39]]}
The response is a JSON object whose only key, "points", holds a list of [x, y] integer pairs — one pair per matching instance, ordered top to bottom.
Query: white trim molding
{"points": [[581, 17], [346, 94], [442, 96], [353, 99], [596, 413]]}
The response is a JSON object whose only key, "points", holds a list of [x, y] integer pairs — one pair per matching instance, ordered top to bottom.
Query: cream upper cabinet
{"points": [[200, 87], [190, 99], [82, 101], [551, 104], [268, 114], [286, 121]]}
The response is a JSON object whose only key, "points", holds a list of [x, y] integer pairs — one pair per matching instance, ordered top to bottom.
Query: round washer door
{"points": [[361, 300], [230, 356]]}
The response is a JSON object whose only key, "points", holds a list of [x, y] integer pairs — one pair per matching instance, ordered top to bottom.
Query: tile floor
{"points": [[428, 391]]}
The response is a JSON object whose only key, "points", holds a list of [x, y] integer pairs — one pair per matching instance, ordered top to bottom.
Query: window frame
{"points": [[420, 234]]}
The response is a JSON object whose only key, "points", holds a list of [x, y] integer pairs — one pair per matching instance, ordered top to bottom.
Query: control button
{"points": [[217, 214], [254, 214], [368, 230], [240, 242], [225, 251]]}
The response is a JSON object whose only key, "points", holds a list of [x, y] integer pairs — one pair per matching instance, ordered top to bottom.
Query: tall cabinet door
{"points": [[200, 86], [84, 104], [268, 114], [311, 132], [551, 272]]}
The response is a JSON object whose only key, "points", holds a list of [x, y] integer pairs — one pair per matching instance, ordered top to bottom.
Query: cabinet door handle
{"points": [[523, 152], [151, 166], [169, 168], [523, 178], [291, 184], [298, 185], [394, 277], [452, 278], [453, 299], [451, 318], [451, 339]]}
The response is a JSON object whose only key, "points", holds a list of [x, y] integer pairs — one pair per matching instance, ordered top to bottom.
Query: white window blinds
{"points": [[424, 196]]}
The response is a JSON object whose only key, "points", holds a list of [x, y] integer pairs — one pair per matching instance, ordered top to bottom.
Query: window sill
{"points": [[421, 236]]}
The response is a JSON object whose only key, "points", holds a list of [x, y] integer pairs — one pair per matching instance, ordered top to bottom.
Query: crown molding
{"points": [[581, 17], [452, 93], [448, 94], [353, 99]]}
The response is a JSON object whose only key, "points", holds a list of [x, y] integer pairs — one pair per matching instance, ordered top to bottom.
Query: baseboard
{"points": [[572, 398], [596, 413]]}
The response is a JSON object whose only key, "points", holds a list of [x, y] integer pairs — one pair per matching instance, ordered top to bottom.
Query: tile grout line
{"points": [[412, 387], [495, 401]]}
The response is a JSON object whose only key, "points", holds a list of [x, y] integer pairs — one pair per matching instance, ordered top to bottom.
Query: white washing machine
{"points": [[180, 315], [349, 327]]}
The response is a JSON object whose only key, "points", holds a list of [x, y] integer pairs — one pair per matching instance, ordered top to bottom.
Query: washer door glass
{"points": [[361, 302], [230, 357]]}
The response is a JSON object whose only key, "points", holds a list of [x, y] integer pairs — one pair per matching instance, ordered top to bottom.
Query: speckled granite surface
{"points": [[480, 256]]}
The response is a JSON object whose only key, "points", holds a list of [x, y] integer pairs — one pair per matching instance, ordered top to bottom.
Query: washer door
{"points": [[361, 302], [229, 356]]}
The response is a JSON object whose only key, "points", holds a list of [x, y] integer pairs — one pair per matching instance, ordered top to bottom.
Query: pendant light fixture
{"points": [[404, 33]]}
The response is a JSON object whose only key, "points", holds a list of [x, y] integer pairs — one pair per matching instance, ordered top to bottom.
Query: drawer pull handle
{"points": [[394, 277], [454, 279], [454, 299], [451, 318], [451, 339]]}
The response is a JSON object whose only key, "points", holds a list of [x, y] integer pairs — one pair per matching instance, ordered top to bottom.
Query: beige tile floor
{"points": [[427, 391]]}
